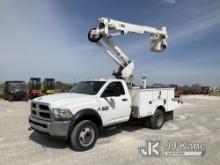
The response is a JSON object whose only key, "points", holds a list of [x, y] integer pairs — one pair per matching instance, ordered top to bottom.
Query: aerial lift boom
{"points": [[108, 28]]}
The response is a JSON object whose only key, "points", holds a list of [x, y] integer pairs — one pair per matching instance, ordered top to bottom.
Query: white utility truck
{"points": [[93, 105]]}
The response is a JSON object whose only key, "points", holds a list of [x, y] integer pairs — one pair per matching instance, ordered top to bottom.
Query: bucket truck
{"points": [[96, 104]]}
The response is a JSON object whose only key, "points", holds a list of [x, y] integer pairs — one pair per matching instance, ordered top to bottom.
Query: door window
{"points": [[114, 89]]}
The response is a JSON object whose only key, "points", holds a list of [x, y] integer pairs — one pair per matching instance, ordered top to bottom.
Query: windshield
{"points": [[35, 83], [49, 84], [18, 85], [88, 87]]}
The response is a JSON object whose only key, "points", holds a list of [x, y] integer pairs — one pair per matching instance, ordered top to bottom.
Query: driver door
{"points": [[115, 105]]}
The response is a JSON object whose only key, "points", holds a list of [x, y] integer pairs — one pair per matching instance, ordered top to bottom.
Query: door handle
{"points": [[125, 99], [105, 108]]}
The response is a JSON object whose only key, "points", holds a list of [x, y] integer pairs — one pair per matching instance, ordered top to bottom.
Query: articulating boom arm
{"points": [[108, 28]]}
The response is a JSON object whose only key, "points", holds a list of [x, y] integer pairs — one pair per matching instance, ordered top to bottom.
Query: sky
{"points": [[48, 38]]}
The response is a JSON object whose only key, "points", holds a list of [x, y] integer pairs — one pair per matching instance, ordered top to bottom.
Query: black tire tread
{"points": [[153, 119]]}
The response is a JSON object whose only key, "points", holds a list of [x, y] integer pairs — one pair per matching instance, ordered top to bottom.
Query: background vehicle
{"points": [[49, 86], [34, 87], [15, 90], [178, 90], [205, 90], [94, 105]]}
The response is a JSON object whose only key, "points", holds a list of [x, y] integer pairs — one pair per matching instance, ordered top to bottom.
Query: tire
{"points": [[30, 97], [10, 98], [25, 98], [157, 120], [146, 122], [84, 135]]}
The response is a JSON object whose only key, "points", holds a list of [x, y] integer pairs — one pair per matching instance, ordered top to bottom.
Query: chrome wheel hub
{"points": [[86, 136]]}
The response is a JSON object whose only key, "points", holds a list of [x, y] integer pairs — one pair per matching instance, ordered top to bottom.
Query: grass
{"points": [[1, 91]]}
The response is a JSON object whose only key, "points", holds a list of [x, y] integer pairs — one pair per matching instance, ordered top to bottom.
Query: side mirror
{"points": [[103, 95]]}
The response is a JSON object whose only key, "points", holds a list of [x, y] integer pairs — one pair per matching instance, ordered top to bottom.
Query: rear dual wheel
{"points": [[156, 121]]}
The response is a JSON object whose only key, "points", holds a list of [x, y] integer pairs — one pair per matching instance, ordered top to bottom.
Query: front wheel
{"points": [[157, 120], [84, 135]]}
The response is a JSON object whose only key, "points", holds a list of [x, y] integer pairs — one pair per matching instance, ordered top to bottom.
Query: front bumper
{"points": [[50, 91], [19, 95], [52, 128]]}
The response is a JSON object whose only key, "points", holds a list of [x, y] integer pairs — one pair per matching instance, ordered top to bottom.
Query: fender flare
{"points": [[161, 107], [86, 114]]}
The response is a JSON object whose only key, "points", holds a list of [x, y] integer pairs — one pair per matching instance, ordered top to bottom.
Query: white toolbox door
{"points": [[170, 100], [146, 104]]}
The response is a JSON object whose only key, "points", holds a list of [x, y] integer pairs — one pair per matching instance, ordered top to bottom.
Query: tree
{"points": [[196, 86], [63, 87], [187, 89]]}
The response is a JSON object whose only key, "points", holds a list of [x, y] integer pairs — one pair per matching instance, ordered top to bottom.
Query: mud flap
{"points": [[169, 116]]}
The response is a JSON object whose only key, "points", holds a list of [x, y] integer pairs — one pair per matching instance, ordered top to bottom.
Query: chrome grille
{"points": [[41, 111]]}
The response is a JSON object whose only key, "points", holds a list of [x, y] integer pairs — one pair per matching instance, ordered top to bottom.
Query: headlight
{"points": [[62, 113]]}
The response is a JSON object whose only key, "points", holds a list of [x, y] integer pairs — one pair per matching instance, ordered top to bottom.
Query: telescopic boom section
{"points": [[108, 28]]}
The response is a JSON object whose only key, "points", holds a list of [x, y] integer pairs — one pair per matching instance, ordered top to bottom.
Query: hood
{"points": [[64, 99]]}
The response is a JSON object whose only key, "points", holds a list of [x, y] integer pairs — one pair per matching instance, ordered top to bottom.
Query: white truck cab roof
{"points": [[106, 79]]}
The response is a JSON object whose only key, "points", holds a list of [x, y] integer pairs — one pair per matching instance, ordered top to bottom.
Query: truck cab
{"points": [[92, 105]]}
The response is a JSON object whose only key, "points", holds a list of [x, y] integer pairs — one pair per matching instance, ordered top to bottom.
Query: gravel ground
{"points": [[196, 121]]}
